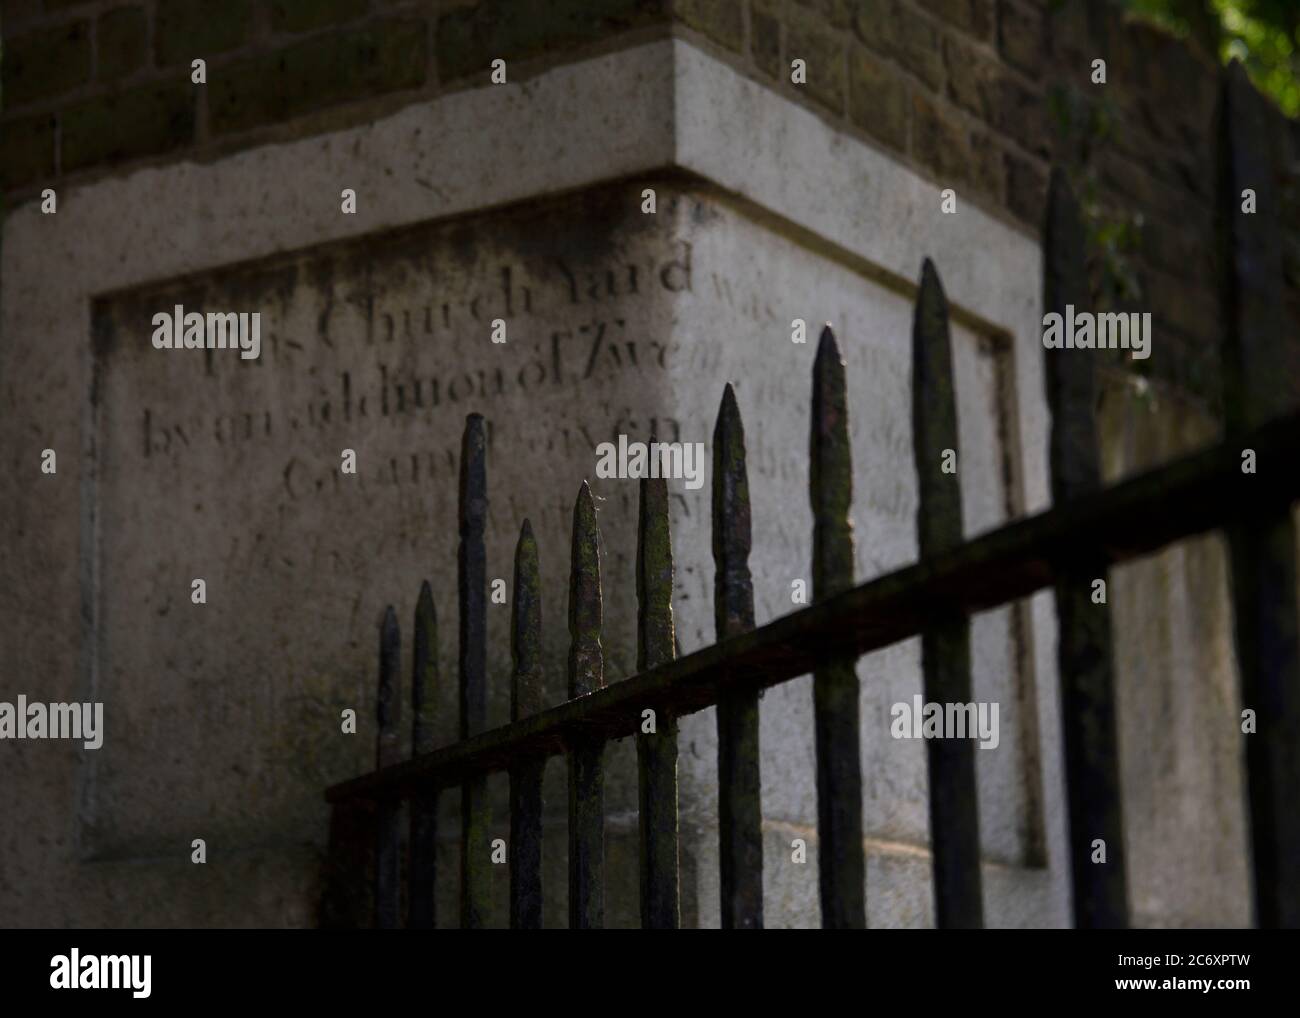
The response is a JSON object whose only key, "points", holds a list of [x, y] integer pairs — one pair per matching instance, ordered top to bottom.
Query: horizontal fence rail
{"points": [[1139, 516]]}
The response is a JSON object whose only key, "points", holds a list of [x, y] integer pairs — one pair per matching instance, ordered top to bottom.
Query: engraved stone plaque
{"points": [[617, 322]]}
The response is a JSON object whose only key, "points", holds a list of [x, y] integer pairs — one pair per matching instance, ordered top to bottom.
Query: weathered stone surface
{"points": [[617, 322], [236, 703], [1179, 705]]}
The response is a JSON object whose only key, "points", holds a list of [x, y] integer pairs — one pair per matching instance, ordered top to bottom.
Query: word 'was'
{"points": [[190, 330]]}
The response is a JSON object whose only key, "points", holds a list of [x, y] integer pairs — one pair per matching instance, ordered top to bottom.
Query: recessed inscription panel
{"points": [[214, 467], [228, 470]]}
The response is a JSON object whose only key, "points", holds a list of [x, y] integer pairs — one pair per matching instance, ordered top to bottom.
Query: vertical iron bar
{"points": [[1260, 384], [945, 646], [1084, 650], [387, 749], [656, 753], [586, 770], [526, 775], [424, 805], [740, 805], [840, 855], [476, 886]]}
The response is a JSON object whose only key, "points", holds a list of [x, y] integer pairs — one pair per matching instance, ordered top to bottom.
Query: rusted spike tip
{"points": [[930, 281], [930, 321], [826, 346], [828, 374], [728, 409], [728, 437], [473, 440], [584, 521], [525, 558], [424, 603], [389, 625]]}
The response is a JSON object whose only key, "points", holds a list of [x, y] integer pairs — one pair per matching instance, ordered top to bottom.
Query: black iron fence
{"points": [[1067, 547]]}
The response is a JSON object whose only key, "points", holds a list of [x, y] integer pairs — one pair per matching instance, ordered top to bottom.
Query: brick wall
{"points": [[977, 94]]}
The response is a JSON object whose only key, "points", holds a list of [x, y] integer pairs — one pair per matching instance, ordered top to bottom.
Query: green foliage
{"points": [[1263, 34], [1084, 123]]}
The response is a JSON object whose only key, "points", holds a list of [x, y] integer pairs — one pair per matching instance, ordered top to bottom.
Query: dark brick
{"points": [[839, 13], [16, 15], [303, 15], [974, 17], [720, 20], [876, 22], [185, 30], [1022, 37], [1069, 39], [468, 40], [120, 42], [765, 42], [919, 48], [823, 52], [384, 57], [46, 63], [972, 78], [877, 99], [1021, 114], [149, 120], [939, 140], [27, 154], [986, 170], [1140, 189], [1026, 190], [1178, 248], [1185, 306]]}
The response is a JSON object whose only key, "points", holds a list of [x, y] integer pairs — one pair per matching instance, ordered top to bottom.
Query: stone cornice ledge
{"points": [[661, 104]]}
